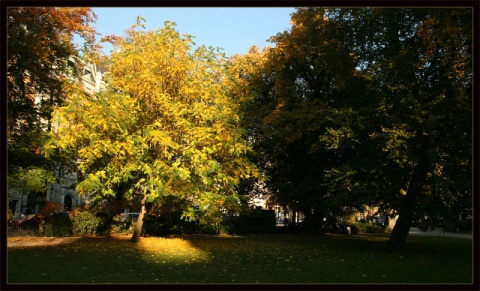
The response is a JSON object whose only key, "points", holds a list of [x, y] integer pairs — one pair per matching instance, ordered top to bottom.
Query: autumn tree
{"points": [[39, 46], [246, 88], [298, 90], [370, 106], [164, 126]]}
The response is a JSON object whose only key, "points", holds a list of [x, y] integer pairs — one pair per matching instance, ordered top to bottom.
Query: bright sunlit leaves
{"points": [[165, 123], [171, 250]]}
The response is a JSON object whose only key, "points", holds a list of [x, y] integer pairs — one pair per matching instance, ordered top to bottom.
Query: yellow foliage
{"points": [[165, 122]]}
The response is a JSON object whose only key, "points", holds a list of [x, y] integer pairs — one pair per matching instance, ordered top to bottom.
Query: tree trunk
{"points": [[49, 120], [406, 213], [294, 217], [316, 223], [138, 226]]}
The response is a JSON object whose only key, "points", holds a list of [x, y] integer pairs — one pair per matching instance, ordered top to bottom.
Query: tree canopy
{"points": [[367, 106], [165, 125]]}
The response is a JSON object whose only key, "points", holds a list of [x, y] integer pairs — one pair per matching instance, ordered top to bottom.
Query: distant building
{"points": [[63, 192]]}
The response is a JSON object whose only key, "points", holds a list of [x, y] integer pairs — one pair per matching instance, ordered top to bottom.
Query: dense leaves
{"points": [[39, 49], [419, 63], [366, 106], [298, 113], [164, 126], [31, 180]]}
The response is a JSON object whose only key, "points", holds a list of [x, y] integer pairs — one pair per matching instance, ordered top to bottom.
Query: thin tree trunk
{"points": [[50, 109], [294, 217], [138, 226]]}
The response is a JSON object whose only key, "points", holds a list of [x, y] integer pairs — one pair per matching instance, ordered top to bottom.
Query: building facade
{"points": [[63, 192]]}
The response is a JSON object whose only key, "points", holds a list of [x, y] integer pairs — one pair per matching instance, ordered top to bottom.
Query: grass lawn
{"points": [[276, 258]]}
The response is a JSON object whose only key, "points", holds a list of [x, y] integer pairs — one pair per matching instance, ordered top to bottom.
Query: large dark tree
{"points": [[419, 65], [300, 91], [367, 106]]}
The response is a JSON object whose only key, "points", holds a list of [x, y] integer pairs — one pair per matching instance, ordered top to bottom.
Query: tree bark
{"points": [[406, 213], [294, 217], [317, 223], [139, 225]]}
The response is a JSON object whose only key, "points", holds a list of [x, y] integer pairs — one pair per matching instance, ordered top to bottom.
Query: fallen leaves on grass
{"points": [[171, 250], [250, 259]]}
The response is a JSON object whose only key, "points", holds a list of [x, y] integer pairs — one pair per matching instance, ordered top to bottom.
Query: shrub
{"points": [[51, 207], [9, 215], [259, 221], [85, 223], [104, 223], [56, 225], [156, 226], [166, 226], [119, 227], [362, 227], [374, 228]]}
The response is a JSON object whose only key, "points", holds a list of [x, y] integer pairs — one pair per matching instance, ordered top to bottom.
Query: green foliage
{"points": [[299, 117], [31, 180], [105, 222], [85, 223], [56, 225], [158, 226], [119, 227], [361, 227]]}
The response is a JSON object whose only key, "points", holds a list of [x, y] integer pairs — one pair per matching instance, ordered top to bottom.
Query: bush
{"points": [[9, 215], [259, 221], [85, 223], [104, 223], [56, 225], [156, 226], [166, 226], [119, 227], [186, 227], [362, 227], [374, 228], [208, 229]]}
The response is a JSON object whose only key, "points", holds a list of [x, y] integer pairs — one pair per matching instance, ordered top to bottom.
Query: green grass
{"points": [[284, 258]]}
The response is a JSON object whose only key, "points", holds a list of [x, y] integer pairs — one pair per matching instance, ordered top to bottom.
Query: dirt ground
{"points": [[29, 238], [32, 241]]}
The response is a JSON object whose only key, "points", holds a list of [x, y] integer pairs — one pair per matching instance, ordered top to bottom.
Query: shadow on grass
{"points": [[255, 259]]}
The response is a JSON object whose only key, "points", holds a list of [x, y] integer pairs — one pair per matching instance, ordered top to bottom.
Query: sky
{"points": [[232, 29]]}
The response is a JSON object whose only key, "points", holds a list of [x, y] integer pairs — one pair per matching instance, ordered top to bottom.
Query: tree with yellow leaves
{"points": [[165, 125]]}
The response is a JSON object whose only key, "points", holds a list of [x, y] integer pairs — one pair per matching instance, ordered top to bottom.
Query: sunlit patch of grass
{"points": [[172, 250]]}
